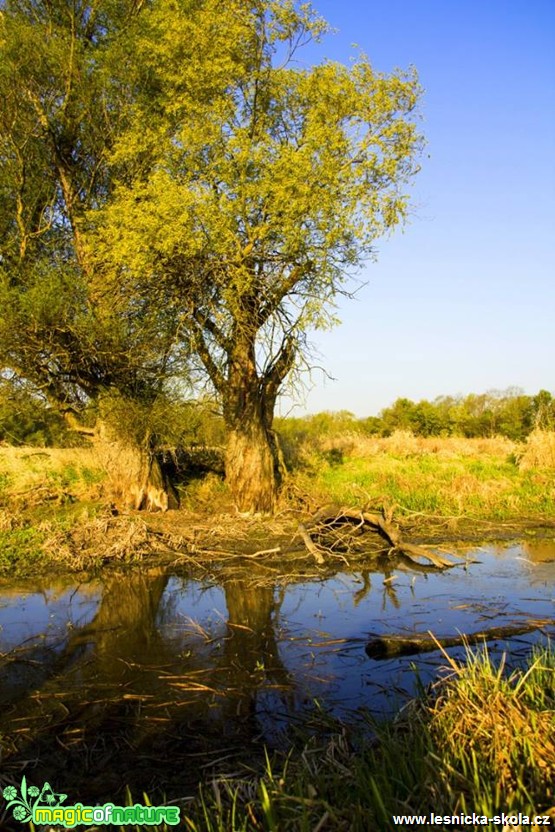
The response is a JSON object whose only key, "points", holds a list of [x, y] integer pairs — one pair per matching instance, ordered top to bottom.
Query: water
{"points": [[165, 676]]}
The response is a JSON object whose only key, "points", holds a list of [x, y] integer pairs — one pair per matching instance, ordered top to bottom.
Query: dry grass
{"points": [[403, 444], [538, 451], [104, 471], [29, 476], [99, 540], [492, 719]]}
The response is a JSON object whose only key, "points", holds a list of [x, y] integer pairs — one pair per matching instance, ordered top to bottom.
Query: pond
{"points": [[153, 679]]}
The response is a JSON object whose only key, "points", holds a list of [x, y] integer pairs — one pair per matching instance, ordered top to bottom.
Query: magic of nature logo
{"points": [[44, 806]]}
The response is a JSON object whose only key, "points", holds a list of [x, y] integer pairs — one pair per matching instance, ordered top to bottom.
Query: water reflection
{"points": [[149, 678], [143, 684]]}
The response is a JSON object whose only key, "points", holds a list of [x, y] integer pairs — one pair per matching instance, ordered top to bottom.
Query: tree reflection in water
{"points": [[250, 660], [124, 706]]}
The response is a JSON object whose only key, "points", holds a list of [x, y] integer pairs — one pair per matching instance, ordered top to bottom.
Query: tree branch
{"points": [[281, 289], [210, 326], [216, 376]]}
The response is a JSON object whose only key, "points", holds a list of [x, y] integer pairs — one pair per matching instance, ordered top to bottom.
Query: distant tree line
{"points": [[509, 413], [26, 418]]}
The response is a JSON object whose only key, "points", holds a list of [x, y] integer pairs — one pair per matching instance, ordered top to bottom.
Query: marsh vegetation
{"points": [[182, 689]]}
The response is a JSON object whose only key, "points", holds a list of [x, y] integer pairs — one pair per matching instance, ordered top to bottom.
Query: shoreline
{"points": [[98, 540]]}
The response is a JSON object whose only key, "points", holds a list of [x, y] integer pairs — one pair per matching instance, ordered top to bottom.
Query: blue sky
{"points": [[463, 299]]}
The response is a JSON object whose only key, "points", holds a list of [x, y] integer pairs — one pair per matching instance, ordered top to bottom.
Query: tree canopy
{"points": [[181, 189]]}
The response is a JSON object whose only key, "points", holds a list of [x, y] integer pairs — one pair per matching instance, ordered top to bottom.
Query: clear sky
{"points": [[463, 299]]}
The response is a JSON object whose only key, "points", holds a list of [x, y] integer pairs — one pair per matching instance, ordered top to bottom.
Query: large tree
{"points": [[69, 86], [176, 184], [256, 204]]}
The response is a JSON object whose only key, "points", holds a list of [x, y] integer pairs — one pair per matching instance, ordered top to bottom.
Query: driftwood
{"points": [[367, 521], [310, 545], [387, 647]]}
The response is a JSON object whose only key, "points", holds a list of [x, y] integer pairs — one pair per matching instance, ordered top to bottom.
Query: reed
{"points": [[538, 451]]}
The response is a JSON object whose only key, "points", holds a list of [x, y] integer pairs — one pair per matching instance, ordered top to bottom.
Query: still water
{"points": [[150, 678]]}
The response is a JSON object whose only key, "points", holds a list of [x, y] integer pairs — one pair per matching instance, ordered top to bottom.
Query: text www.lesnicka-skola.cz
{"points": [[472, 820]]}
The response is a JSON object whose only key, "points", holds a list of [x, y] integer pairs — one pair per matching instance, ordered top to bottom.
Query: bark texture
{"points": [[252, 465], [250, 469], [135, 478]]}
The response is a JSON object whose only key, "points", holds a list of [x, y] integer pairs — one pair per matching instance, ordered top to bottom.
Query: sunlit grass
{"points": [[29, 476], [442, 481], [44, 494]]}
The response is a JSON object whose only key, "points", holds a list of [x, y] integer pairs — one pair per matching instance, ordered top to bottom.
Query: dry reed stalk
{"points": [[404, 444], [539, 451]]}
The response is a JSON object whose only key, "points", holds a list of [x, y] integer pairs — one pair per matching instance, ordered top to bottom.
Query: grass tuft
{"points": [[538, 451]]}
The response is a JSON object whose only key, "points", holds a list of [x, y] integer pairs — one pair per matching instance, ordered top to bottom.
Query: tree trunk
{"points": [[251, 460], [250, 468], [135, 479], [154, 490]]}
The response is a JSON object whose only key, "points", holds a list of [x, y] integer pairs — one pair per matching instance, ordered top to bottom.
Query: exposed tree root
{"points": [[328, 522]]}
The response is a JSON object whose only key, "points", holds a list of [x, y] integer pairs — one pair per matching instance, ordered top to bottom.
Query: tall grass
{"points": [[403, 444], [538, 451], [30, 476], [447, 477], [480, 741]]}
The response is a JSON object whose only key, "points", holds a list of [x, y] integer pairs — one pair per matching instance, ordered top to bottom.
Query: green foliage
{"points": [[65, 95], [177, 185], [270, 187], [247, 193], [543, 411], [508, 413], [26, 419], [166, 420], [21, 550]]}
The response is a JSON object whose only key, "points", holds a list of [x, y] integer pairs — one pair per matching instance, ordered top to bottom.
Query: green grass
{"points": [[491, 488], [21, 551]]}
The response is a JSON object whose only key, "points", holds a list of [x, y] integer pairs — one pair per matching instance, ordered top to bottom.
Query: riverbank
{"points": [[56, 511], [181, 681]]}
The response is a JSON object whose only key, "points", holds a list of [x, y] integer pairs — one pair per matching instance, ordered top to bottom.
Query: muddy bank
{"points": [[104, 538]]}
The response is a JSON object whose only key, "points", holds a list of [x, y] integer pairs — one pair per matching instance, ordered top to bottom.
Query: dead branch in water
{"points": [[360, 521], [387, 647]]}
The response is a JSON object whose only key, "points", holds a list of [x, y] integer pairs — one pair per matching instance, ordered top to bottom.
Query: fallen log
{"points": [[368, 521], [388, 647]]}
